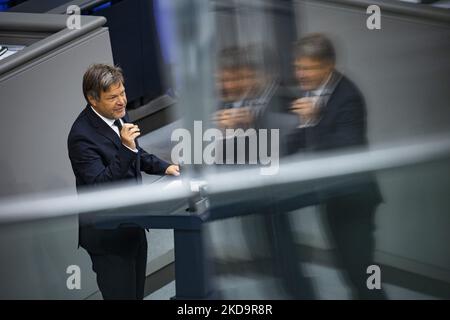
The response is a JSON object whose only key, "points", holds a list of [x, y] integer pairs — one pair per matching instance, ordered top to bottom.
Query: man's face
{"points": [[312, 72], [235, 83], [112, 102]]}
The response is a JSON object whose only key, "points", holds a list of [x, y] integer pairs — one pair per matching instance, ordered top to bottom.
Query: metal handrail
{"points": [[292, 170]]}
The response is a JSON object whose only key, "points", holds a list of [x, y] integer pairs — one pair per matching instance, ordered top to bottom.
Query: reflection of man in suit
{"points": [[246, 90], [250, 98], [332, 115], [103, 149]]}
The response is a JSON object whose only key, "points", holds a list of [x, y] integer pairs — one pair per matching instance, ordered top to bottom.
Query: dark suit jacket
{"points": [[343, 124], [98, 156]]}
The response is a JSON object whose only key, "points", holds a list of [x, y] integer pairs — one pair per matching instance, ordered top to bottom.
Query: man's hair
{"points": [[316, 46], [256, 57], [236, 58], [99, 77]]}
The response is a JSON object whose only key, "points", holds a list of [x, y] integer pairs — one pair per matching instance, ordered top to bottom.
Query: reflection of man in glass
{"points": [[237, 81], [248, 90], [332, 115]]}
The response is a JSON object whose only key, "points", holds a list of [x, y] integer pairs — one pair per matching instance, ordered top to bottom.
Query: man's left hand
{"points": [[173, 170]]}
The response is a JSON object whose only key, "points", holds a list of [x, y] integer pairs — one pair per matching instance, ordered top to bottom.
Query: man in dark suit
{"points": [[332, 115], [103, 149]]}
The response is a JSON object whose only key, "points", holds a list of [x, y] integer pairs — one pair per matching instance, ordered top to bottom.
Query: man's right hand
{"points": [[305, 108], [233, 118], [128, 133]]}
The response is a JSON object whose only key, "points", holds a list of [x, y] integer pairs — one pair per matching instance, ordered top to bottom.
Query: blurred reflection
{"points": [[238, 84], [248, 94], [250, 97], [325, 112], [332, 115]]}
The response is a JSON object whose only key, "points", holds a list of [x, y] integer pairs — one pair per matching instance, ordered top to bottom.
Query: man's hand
{"points": [[305, 108], [244, 116], [224, 118], [234, 118], [128, 133], [173, 170]]}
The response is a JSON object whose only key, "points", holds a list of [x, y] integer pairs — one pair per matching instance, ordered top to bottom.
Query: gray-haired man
{"points": [[103, 149]]}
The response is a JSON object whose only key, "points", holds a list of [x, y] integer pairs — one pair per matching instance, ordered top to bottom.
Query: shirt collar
{"points": [[319, 90], [109, 122]]}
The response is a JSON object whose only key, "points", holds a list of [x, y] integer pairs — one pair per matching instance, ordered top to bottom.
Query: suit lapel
{"points": [[330, 87], [102, 127], [109, 133]]}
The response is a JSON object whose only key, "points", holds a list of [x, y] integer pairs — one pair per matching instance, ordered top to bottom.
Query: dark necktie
{"points": [[118, 124], [137, 165]]}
